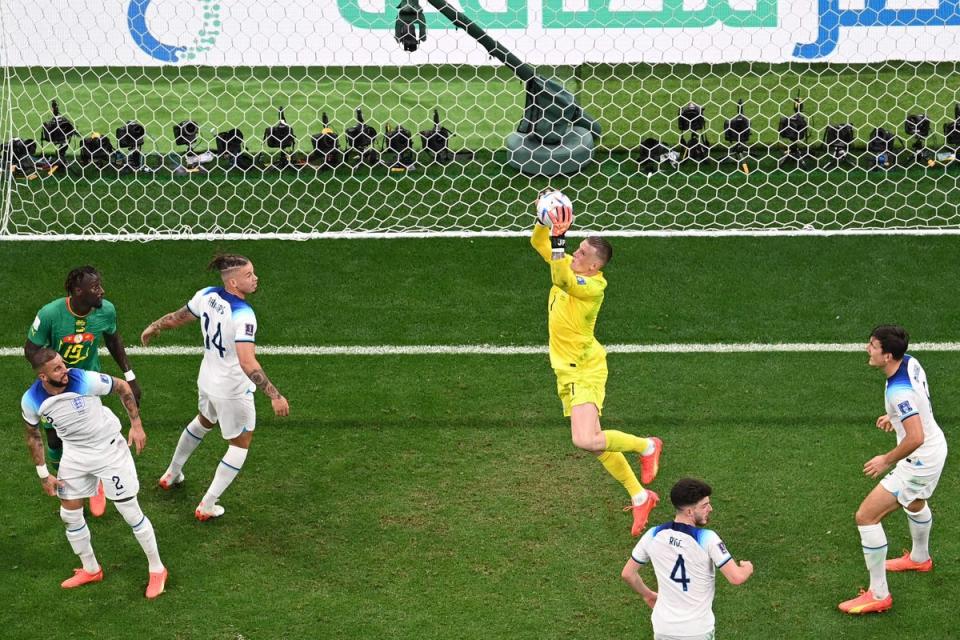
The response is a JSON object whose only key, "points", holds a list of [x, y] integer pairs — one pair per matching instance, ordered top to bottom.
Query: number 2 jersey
{"points": [[225, 320], [907, 395], [76, 413], [684, 558]]}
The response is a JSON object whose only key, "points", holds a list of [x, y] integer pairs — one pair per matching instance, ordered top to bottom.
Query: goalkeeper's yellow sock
{"points": [[620, 441], [616, 465]]}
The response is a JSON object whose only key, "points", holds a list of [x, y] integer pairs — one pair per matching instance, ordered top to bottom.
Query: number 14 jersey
{"points": [[225, 320]]}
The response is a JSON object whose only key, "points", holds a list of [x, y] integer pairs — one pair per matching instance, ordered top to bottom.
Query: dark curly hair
{"points": [[75, 277]]}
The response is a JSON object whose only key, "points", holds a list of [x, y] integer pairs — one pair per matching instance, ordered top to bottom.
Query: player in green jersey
{"points": [[75, 326]]}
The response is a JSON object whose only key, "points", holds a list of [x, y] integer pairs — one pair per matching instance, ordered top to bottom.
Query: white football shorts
{"points": [[234, 415], [81, 469], [908, 487]]}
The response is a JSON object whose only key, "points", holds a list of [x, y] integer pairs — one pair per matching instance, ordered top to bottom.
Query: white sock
{"points": [[190, 439], [651, 448], [227, 470], [639, 499], [920, 523], [142, 531], [78, 535], [874, 542]]}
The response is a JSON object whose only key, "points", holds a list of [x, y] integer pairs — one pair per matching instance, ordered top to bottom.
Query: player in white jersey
{"points": [[228, 375], [93, 451], [919, 457], [684, 557]]}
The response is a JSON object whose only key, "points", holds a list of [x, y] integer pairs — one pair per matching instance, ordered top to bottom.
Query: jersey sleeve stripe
{"points": [[250, 341], [908, 415], [729, 558], [638, 561]]}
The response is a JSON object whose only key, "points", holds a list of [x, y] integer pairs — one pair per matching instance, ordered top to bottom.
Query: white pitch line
{"points": [[509, 350]]}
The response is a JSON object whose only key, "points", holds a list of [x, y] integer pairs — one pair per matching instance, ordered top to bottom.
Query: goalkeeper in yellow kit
{"points": [[581, 363]]}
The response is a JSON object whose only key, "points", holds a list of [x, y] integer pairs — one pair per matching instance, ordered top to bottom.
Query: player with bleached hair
{"points": [[580, 362], [228, 375], [93, 451], [919, 456], [685, 556]]}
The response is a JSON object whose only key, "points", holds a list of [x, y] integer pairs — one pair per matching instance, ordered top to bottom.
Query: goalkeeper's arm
{"points": [[540, 239]]}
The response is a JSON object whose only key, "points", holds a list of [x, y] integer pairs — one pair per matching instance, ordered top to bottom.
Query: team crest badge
{"points": [[581, 280], [248, 329]]}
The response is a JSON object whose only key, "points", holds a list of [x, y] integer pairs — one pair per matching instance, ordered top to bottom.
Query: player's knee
{"points": [[206, 424], [243, 440], [586, 441], [131, 512], [863, 518]]}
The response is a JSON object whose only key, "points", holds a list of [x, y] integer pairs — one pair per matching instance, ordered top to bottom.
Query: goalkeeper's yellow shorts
{"points": [[582, 386]]}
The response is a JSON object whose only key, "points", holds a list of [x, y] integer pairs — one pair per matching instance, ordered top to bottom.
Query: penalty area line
{"points": [[512, 350]]}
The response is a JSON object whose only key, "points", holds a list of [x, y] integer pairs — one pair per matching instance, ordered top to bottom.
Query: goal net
{"points": [[304, 118]]}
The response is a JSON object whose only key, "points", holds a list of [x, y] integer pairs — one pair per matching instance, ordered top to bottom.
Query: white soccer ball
{"points": [[547, 202]]}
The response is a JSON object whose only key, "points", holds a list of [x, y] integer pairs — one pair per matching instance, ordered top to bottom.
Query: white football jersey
{"points": [[225, 320], [907, 395], [76, 413], [683, 558]]}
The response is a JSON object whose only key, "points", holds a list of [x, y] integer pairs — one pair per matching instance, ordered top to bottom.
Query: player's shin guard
{"points": [[190, 439], [620, 441], [53, 459], [617, 466], [227, 470], [920, 524], [142, 531], [78, 535], [874, 541]]}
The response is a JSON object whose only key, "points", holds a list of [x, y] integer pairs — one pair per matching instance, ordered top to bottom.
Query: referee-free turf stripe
{"points": [[511, 350]]}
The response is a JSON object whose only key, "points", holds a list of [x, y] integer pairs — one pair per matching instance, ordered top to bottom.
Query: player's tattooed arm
{"points": [[172, 320], [252, 369], [259, 378], [122, 389], [136, 437], [34, 443], [48, 481]]}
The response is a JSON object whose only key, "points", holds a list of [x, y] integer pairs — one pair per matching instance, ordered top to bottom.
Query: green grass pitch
{"points": [[440, 497]]}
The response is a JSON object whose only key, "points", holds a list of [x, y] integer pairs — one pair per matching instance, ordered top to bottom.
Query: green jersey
{"points": [[77, 338]]}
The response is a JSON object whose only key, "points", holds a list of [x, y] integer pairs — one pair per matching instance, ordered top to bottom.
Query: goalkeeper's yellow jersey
{"points": [[573, 307]]}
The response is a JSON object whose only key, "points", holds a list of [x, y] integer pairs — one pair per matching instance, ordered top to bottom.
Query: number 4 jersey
{"points": [[225, 320], [683, 558]]}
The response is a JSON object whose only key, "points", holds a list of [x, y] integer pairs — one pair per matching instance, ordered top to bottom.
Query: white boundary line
{"points": [[399, 235], [507, 350]]}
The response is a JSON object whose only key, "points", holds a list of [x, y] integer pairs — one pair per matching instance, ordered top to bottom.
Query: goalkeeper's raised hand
{"points": [[561, 217]]}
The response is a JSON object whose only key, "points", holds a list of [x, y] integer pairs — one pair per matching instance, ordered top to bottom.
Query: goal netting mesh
{"points": [[213, 118]]}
